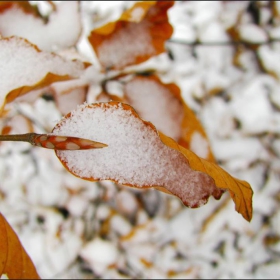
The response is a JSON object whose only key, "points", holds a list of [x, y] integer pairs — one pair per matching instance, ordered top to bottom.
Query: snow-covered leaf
{"points": [[18, 19], [139, 34], [35, 68], [137, 155]]}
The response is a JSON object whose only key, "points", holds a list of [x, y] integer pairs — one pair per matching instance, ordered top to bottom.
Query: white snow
{"points": [[136, 14], [62, 30], [212, 32], [252, 33], [125, 45], [268, 55], [31, 64], [68, 101], [252, 107], [168, 113], [199, 145], [247, 149], [135, 154], [126, 202], [76, 205], [56, 214], [120, 225], [100, 254]]}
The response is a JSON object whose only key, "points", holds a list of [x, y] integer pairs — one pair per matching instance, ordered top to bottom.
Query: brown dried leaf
{"points": [[24, 5], [24, 20], [139, 34], [37, 69], [47, 80], [106, 97], [69, 100], [171, 115], [17, 124], [6, 130], [194, 136], [139, 156], [240, 191], [14, 261]]}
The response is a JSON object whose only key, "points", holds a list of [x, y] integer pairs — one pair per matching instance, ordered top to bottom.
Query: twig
{"points": [[54, 142]]}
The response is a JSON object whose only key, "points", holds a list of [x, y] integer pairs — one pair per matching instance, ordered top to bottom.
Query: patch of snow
{"points": [[204, 12], [136, 14], [213, 32], [252, 33], [274, 33], [49, 37], [124, 46], [18, 53], [268, 55], [114, 87], [68, 101], [252, 108], [168, 113], [216, 115], [199, 145], [246, 150], [126, 202], [76, 205], [103, 212], [120, 225], [100, 254], [269, 270]]}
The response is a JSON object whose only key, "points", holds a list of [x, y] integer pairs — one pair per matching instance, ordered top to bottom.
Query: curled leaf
{"points": [[139, 34], [137, 156], [14, 261]]}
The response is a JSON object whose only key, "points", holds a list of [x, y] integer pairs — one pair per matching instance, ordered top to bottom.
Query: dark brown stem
{"points": [[28, 137]]}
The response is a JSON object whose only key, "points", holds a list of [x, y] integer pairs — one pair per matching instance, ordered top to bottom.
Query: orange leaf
{"points": [[24, 5], [24, 20], [139, 34], [37, 69], [47, 80], [106, 97], [69, 100], [171, 115], [17, 124], [6, 130], [194, 136], [138, 156], [240, 191], [14, 261]]}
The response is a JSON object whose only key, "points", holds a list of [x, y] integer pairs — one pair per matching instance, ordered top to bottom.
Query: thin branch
{"points": [[230, 43], [28, 137]]}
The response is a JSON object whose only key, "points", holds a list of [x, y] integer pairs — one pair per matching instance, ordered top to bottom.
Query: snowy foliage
{"points": [[73, 228]]}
